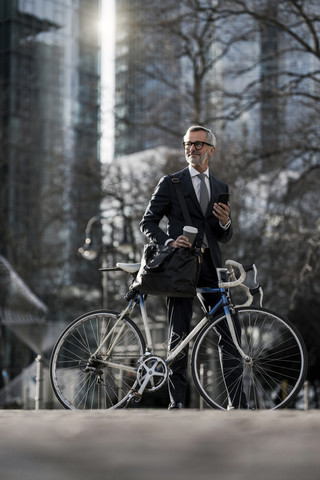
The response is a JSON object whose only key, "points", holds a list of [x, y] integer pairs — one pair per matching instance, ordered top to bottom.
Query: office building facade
{"points": [[142, 94], [50, 107], [49, 154]]}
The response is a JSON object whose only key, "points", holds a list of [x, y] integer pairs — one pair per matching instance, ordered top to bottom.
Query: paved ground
{"points": [[157, 444]]}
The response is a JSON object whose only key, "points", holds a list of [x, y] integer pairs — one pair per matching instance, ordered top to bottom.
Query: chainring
{"points": [[156, 369]]}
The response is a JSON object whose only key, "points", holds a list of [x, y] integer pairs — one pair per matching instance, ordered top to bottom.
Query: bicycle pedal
{"points": [[134, 398]]}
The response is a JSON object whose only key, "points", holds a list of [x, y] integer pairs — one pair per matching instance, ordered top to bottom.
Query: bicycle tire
{"points": [[277, 371], [101, 386]]}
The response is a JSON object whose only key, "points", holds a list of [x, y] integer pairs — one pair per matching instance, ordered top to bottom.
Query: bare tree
{"points": [[251, 70]]}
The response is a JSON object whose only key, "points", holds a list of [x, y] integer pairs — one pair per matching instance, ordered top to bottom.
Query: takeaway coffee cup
{"points": [[190, 232]]}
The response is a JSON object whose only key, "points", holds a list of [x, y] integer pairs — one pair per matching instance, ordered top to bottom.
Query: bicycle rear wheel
{"points": [[93, 364], [272, 377]]}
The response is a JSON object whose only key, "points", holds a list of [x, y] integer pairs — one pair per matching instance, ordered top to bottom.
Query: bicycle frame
{"points": [[140, 299], [223, 302], [208, 315]]}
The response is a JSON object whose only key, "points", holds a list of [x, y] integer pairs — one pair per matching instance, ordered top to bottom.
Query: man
{"points": [[214, 225]]}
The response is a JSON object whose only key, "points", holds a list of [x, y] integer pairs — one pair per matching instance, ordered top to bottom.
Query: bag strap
{"points": [[182, 201]]}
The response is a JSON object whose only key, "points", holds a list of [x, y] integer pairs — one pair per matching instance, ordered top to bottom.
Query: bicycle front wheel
{"points": [[94, 362], [271, 376]]}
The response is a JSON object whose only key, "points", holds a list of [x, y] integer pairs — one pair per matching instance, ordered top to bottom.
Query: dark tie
{"points": [[204, 194]]}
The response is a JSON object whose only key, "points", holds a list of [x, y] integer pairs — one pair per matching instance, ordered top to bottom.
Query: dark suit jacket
{"points": [[164, 203]]}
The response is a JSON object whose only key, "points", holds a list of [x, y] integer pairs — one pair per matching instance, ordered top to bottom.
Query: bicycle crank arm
{"points": [[151, 375], [144, 383]]}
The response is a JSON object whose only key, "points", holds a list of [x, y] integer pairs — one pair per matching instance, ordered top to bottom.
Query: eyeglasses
{"points": [[197, 145]]}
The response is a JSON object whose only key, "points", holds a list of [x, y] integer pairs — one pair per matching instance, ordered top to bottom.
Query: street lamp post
{"points": [[88, 252], [104, 272]]}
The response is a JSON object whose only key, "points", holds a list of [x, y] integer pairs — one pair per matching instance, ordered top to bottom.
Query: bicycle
{"points": [[103, 361]]}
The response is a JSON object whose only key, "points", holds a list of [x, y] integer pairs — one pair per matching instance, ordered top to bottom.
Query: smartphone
{"points": [[223, 198]]}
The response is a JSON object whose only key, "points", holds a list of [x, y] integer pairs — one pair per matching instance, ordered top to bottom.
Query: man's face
{"points": [[199, 159]]}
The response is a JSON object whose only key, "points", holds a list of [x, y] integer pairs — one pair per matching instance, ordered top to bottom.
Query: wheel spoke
{"points": [[86, 373], [269, 380]]}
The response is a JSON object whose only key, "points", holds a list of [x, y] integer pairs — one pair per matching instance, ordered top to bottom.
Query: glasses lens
{"points": [[197, 145]]}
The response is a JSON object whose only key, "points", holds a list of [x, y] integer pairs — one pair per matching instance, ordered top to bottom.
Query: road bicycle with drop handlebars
{"points": [[102, 360]]}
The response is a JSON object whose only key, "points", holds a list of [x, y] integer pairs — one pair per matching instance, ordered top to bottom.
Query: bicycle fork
{"points": [[246, 358]]}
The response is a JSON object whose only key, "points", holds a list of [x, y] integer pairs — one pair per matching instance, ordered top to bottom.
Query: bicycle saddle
{"points": [[129, 267]]}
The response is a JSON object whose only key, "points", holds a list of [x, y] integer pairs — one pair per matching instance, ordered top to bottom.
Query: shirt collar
{"points": [[194, 172]]}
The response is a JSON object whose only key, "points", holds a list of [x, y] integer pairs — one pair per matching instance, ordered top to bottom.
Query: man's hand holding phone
{"points": [[221, 209]]}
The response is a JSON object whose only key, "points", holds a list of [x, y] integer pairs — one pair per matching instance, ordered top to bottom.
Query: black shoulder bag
{"points": [[169, 271]]}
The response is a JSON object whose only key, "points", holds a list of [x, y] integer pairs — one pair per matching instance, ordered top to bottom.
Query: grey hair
{"points": [[210, 136]]}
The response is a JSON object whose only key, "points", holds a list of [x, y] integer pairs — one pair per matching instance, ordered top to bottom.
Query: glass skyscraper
{"points": [[50, 84], [141, 93], [49, 153]]}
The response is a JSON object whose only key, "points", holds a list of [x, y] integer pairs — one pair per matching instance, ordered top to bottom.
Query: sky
{"points": [[107, 78]]}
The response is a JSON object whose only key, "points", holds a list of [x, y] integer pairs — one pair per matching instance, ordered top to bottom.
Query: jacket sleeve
{"points": [[156, 210], [222, 235], [225, 235]]}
